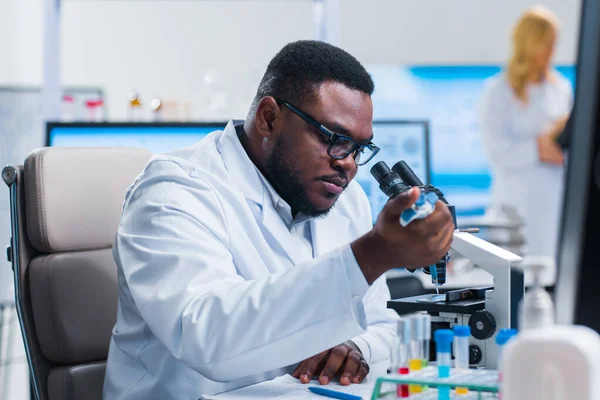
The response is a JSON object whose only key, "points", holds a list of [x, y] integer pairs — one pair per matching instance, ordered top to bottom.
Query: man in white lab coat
{"points": [[252, 254]]}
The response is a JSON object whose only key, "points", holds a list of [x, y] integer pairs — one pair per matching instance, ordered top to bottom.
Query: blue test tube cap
{"points": [[462, 331], [504, 335], [443, 340]]}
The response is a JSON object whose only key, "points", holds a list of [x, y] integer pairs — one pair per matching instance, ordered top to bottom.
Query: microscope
{"points": [[399, 179], [485, 309]]}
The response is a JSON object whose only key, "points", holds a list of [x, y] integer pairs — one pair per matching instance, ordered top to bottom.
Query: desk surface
{"points": [[287, 387]]}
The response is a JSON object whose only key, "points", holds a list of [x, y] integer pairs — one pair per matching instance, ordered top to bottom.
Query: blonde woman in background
{"points": [[524, 109]]}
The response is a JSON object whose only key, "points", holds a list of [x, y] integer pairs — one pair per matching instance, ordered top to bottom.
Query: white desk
{"points": [[287, 387]]}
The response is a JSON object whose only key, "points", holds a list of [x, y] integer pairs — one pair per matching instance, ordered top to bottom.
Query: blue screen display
{"points": [[449, 97], [408, 138], [158, 139], [398, 140]]}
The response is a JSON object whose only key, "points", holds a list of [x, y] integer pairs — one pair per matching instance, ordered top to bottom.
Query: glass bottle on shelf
{"points": [[135, 110]]}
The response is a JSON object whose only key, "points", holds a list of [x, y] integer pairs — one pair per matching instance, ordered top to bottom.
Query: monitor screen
{"points": [[156, 137], [398, 140]]}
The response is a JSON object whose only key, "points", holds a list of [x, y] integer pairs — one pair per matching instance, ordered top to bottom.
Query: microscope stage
{"points": [[422, 303]]}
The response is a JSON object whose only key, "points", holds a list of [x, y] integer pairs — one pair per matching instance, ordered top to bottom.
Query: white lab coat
{"points": [[521, 181], [211, 296]]}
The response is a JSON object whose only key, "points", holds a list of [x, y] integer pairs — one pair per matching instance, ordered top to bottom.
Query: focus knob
{"points": [[483, 325], [475, 354]]}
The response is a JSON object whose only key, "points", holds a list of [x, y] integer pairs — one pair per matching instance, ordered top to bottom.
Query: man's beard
{"points": [[285, 179]]}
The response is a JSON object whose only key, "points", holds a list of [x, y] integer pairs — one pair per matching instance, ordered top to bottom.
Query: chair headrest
{"points": [[74, 196]]}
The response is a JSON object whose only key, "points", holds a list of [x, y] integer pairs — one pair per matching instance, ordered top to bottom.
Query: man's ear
{"points": [[266, 113]]}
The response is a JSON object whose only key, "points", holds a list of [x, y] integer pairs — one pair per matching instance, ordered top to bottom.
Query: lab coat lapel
{"points": [[241, 169], [246, 177], [329, 233], [281, 239]]}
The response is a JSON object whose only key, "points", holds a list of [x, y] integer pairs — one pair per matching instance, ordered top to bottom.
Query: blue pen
{"points": [[333, 393]]}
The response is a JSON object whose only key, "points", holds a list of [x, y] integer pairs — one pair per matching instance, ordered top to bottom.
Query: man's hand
{"points": [[390, 245], [344, 360]]}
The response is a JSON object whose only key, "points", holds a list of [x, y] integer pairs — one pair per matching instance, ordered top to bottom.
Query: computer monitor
{"points": [[157, 137], [398, 140], [577, 291]]}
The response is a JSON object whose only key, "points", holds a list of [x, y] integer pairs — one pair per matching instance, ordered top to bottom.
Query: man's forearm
{"points": [[366, 250]]}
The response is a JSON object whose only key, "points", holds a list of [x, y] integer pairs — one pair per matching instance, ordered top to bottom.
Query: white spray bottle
{"points": [[547, 361]]}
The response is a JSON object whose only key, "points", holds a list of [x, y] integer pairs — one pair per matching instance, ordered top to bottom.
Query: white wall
{"points": [[445, 31], [20, 42], [164, 47]]}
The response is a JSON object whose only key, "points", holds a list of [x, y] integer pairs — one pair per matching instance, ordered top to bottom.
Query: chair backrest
{"points": [[65, 208]]}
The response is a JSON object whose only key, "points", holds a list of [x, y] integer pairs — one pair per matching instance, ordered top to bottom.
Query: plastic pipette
{"points": [[434, 278]]}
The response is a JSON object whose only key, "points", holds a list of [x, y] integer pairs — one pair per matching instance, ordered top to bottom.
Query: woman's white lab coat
{"points": [[521, 180], [213, 295]]}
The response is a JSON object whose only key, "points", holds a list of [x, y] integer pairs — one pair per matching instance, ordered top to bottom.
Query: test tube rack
{"points": [[482, 383]]}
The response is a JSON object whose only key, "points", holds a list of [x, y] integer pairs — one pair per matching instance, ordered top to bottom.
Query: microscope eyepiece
{"points": [[380, 170], [406, 174], [389, 181]]}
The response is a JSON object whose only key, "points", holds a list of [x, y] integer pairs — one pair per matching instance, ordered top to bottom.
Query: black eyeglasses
{"points": [[340, 146]]}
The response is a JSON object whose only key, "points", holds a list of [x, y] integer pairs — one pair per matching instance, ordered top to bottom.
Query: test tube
{"points": [[503, 336], [426, 338], [443, 343], [461, 351], [400, 362], [415, 362]]}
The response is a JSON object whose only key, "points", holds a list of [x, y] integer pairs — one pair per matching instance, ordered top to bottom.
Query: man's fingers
{"points": [[402, 202], [434, 222], [442, 236], [449, 238], [337, 356], [344, 359], [300, 366], [308, 367], [350, 368], [363, 371]]}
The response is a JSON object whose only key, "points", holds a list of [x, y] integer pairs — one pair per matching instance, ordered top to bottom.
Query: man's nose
{"points": [[347, 164]]}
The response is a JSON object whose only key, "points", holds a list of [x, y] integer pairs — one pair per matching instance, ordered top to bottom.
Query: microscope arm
{"points": [[484, 254], [497, 262]]}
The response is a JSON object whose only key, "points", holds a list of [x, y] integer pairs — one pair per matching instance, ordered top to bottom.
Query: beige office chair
{"points": [[65, 205]]}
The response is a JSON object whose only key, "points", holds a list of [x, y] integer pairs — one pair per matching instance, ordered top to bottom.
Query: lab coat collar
{"points": [[241, 169], [281, 206], [328, 232]]}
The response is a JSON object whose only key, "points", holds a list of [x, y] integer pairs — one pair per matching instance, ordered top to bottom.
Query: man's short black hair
{"points": [[300, 67]]}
